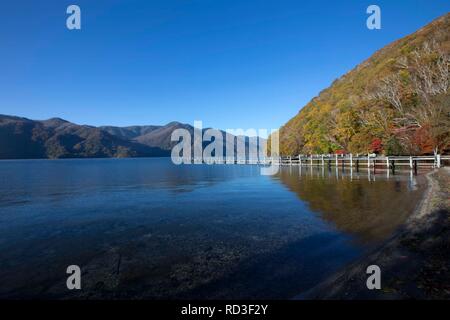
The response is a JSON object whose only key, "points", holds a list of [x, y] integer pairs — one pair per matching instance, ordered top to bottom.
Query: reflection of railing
{"points": [[348, 160]]}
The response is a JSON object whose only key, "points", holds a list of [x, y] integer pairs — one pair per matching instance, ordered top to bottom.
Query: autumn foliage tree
{"points": [[376, 146]]}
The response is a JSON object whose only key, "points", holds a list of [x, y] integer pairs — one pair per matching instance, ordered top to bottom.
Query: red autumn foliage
{"points": [[423, 139], [418, 141], [376, 146]]}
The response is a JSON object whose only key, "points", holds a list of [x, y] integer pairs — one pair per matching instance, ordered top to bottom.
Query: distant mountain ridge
{"points": [[152, 136], [22, 138]]}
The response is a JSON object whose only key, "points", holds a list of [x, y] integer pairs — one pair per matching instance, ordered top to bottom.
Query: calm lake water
{"points": [[145, 228]]}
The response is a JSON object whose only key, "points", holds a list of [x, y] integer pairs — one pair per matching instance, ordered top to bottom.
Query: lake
{"points": [[145, 228]]}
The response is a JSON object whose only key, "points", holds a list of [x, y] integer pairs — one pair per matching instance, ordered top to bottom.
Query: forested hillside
{"points": [[395, 102]]}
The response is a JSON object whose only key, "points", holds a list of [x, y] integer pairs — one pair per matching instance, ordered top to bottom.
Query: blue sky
{"points": [[231, 64]]}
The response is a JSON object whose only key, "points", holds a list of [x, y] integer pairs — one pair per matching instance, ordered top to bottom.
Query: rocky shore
{"points": [[415, 263]]}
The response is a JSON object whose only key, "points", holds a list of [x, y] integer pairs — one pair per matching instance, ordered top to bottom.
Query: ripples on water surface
{"points": [[144, 228]]}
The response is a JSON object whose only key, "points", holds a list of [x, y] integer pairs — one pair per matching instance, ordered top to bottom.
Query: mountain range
{"points": [[22, 138]]}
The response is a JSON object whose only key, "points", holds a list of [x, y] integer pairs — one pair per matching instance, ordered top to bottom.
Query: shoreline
{"points": [[414, 262]]}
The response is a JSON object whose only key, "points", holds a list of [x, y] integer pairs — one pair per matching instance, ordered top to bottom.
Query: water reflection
{"points": [[367, 204]]}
